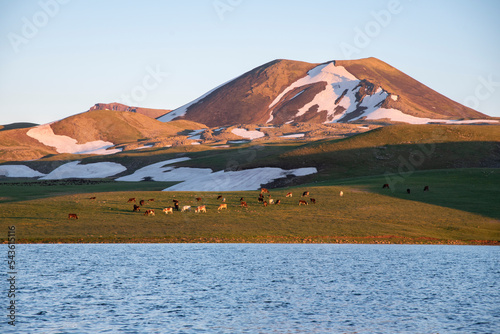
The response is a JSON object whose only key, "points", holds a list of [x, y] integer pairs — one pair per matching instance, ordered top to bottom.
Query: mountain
{"points": [[284, 91], [153, 113], [93, 132]]}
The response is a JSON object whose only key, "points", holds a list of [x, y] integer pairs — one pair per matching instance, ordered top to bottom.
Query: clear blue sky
{"points": [[58, 59]]}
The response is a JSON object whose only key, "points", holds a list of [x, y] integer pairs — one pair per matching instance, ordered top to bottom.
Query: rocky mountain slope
{"points": [[153, 113]]}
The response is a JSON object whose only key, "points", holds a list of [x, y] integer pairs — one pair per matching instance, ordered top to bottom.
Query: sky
{"points": [[60, 57]]}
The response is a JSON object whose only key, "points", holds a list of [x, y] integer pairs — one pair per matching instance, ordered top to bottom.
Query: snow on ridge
{"points": [[398, 116], [248, 134], [293, 135], [64, 144], [152, 170], [18, 171], [90, 171]]}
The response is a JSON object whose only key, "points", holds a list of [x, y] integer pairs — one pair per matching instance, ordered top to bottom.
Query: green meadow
{"points": [[460, 208]]}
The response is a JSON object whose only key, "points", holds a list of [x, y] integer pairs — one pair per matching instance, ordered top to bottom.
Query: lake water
{"points": [[255, 288]]}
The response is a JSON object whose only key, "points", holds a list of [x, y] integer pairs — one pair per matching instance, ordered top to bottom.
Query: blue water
{"points": [[255, 288]]}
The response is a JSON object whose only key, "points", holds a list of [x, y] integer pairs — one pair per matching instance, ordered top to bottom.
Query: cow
{"points": [[386, 185], [426, 188], [264, 190], [408, 190], [305, 193], [341, 193], [289, 195], [261, 196], [219, 197], [92, 198], [198, 199], [224, 199], [242, 199], [260, 199], [131, 200], [151, 200], [175, 201], [271, 201], [313, 201], [141, 202], [277, 202], [301, 202], [265, 203], [244, 204], [176, 205], [222, 206], [137, 208], [186, 208], [201, 208], [168, 210], [149, 212], [72, 216]]}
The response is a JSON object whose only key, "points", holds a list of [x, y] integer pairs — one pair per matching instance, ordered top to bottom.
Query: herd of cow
{"points": [[223, 206]]}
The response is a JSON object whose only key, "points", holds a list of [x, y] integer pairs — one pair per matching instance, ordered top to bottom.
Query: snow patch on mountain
{"points": [[398, 116], [252, 134], [64, 144], [18, 171], [89, 171], [156, 171]]}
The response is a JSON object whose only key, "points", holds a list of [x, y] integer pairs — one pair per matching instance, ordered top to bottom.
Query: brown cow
{"points": [[386, 185], [426, 188], [264, 190], [305, 193], [289, 195], [219, 197], [92, 198], [198, 199], [242, 199], [261, 199], [131, 200], [151, 200], [175, 201], [313, 201], [141, 202], [277, 202], [301, 202], [265, 203], [244, 204], [176, 205], [222, 206], [137, 208], [201, 208], [168, 210], [149, 212], [72, 216]]}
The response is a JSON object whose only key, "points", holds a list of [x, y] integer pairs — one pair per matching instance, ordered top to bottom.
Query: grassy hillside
{"points": [[363, 214]]}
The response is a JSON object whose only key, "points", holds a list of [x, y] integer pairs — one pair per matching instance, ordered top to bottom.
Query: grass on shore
{"points": [[454, 211]]}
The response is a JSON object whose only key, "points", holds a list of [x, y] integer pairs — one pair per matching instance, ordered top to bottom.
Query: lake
{"points": [[255, 288]]}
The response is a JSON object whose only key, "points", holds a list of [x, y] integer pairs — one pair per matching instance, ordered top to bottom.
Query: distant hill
{"points": [[284, 91], [153, 113], [13, 126]]}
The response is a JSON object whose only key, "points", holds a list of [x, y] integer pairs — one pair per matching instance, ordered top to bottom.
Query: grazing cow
{"points": [[386, 185], [426, 188], [264, 190], [408, 190], [305, 193], [341, 193], [289, 195], [261, 196], [219, 197], [92, 198], [198, 199], [224, 199], [242, 199], [260, 199], [131, 200], [151, 200], [175, 201], [271, 201], [313, 201], [141, 202], [277, 202], [301, 202], [265, 203], [244, 204], [176, 205], [222, 206], [137, 208], [186, 208], [201, 208], [168, 210], [149, 212], [72, 216]]}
